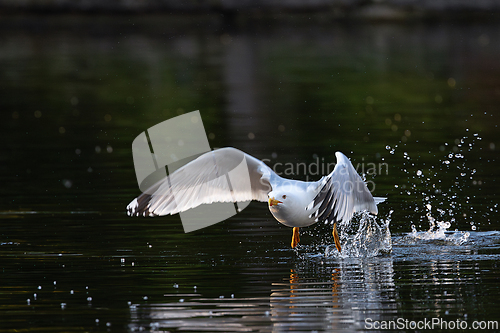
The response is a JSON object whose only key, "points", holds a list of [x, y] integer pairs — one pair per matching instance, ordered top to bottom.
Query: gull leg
{"points": [[295, 237], [336, 237]]}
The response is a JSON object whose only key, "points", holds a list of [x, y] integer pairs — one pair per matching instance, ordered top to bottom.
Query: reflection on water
{"points": [[240, 277], [324, 294], [316, 296], [333, 297]]}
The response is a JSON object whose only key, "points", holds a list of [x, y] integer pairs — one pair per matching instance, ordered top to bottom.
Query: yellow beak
{"points": [[273, 202]]}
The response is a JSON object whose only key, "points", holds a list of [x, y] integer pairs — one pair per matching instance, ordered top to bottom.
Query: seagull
{"points": [[332, 199]]}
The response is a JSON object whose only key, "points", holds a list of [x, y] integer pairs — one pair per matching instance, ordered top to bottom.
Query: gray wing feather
{"points": [[217, 176], [341, 194]]}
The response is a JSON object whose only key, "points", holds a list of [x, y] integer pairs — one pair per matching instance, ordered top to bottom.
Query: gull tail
{"points": [[379, 200]]}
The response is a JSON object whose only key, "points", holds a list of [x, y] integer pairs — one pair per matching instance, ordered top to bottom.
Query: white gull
{"points": [[334, 198]]}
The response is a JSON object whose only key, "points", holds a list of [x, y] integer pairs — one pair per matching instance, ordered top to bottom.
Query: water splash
{"points": [[456, 195], [440, 234], [364, 236]]}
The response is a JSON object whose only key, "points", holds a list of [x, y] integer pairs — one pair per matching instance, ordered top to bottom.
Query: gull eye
{"points": [[284, 196]]}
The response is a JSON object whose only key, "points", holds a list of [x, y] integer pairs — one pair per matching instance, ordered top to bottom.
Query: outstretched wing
{"points": [[223, 175], [342, 193]]}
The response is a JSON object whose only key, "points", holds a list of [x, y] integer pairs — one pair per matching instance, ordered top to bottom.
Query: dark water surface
{"points": [[415, 107]]}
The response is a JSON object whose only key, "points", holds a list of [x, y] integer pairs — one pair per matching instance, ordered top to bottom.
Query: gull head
{"points": [[287, 197], [276, 200], [287, 204], [281, 205]]}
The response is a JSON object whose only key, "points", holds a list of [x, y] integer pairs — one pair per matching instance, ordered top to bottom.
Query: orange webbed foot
{"points": [[295, 237], [336, 237]]}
